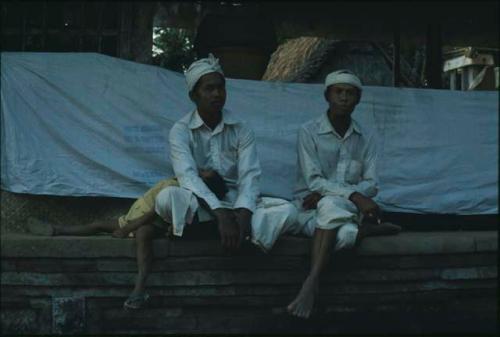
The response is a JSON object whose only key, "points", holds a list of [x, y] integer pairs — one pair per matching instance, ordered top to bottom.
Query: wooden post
{"points": [[24, 8], [100, 14], [44, 25], [82, 28], [125, 30], [141, 37], [396, 55], [434, 58], [453, 80]]}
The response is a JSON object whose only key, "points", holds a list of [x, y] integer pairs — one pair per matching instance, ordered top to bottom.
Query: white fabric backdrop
{"points": [[84, 124]]}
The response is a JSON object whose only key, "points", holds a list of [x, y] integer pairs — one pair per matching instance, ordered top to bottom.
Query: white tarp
{"points": [[84, 124]]}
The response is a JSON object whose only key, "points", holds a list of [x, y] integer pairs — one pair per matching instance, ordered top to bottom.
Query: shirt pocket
{"points": [[229, 161], [353, 172]]}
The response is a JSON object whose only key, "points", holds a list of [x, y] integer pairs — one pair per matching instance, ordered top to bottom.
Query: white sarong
{"points": [[331, 213], [272, 217]]}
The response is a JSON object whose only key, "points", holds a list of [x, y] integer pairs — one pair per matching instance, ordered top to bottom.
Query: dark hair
{"points": [[216, 184]]}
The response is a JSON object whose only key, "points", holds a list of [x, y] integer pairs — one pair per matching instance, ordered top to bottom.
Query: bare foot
{"points": [[119, 233], [303, 304]]}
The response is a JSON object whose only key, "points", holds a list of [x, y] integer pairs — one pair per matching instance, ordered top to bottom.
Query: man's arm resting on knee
{"points": [[185, 168], [316, 182], [311, 200], [365, 205], [244, 219], [228, 228]]}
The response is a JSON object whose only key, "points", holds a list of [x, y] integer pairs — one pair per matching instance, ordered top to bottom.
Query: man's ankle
{"points": [[313, 279]]}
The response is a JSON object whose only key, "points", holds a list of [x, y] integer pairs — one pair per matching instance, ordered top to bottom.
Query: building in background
{"points": [[115, 28], [245, 34], [472, 68]]}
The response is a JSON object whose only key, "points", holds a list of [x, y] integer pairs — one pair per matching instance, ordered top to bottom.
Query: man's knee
{"points": [[165, 196], [333, 202], [291, 213], [289, 216], [282, 217], [346, 236]]}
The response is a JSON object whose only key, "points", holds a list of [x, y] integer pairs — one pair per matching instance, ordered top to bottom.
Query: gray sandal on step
{"points": [[135, 302]]}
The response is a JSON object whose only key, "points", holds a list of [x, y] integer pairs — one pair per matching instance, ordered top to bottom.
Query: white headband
{"points": [[202, 67], [343, 76]]}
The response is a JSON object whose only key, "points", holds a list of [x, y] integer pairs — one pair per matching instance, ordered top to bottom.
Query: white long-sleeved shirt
{"points": [[228, 149], [333, 165]]}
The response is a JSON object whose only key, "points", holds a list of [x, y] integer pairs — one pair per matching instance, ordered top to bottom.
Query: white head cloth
{"points": [[202, 67], [343, 76]]}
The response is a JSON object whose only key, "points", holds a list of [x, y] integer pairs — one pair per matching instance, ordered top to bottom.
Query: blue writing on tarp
{"points": [[144, 138]]}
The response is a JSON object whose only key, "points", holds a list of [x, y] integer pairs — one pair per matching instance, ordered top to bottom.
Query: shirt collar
{"points": [[227, 118], [324, 126]]}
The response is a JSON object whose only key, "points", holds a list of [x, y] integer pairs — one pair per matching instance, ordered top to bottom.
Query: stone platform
{"points": [[412, 283]]}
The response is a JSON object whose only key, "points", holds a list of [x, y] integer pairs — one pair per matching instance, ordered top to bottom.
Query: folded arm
{"points": [[185, 167], [320, 186]]}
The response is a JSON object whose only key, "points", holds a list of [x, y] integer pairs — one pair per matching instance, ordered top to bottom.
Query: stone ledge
{"points": [[406, 243], [414, 282]]}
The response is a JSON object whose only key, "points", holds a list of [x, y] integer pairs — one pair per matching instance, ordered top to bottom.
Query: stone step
{"points": [[405, 243], [253, 262], [209, 277], [415, 282], [362, 288], [447, 312]]}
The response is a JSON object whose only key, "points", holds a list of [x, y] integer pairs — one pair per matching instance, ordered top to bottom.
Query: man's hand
{"points": [[311, 201], [366, 206], [244, 219], [228, 228]]}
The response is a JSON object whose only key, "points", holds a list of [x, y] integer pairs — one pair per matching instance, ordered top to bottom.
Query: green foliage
{"points": [[173, 48]]}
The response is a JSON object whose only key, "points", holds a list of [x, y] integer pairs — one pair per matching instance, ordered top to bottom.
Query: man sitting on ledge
{"points": [[210, 138], [207, 139], [336, 183]]}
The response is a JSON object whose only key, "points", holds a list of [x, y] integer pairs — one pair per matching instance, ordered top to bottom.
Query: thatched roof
{"points": [[298, 59], [303, 59]]}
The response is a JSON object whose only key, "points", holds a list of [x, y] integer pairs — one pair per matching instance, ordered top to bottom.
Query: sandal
{"points": [[135, 302]]}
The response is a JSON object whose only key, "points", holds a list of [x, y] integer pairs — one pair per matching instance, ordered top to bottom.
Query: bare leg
{"points": [[133, 225], [107, 226], [144, 241], [303, 304]]}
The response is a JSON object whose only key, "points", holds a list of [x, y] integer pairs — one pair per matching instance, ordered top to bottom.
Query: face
{"points": [[209, 93], [342, 98]]}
